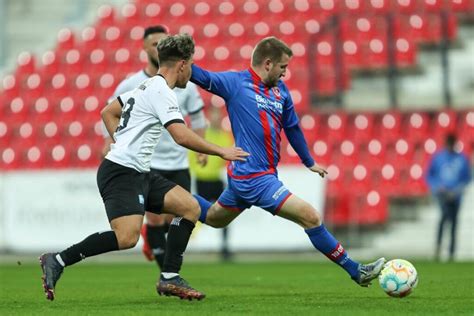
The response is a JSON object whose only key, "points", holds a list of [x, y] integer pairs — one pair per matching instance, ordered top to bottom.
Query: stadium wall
{"points": [[48, 210]]}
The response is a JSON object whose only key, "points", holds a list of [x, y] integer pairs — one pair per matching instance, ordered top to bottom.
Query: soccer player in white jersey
{"points": [[169, 159], [124, 180]]}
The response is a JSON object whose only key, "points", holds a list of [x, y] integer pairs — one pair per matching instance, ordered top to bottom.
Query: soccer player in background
{"points": [[259, 107], [169, 159], [448, 175], [124, 180], [209, 182]]}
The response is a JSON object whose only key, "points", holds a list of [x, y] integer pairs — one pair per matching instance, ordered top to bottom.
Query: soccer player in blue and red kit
{"points": [[260, 107]]}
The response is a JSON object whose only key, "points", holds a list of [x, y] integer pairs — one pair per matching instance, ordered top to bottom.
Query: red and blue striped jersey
{"points": [[257, 114]]}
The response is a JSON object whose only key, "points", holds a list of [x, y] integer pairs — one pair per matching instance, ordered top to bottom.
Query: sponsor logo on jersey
{"points": [[266, 104], [172, 109], [141, 199]]}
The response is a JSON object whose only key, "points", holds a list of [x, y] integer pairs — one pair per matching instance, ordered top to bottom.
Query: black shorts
{"points": [[180, 177], [210, 190], [126, 191]]}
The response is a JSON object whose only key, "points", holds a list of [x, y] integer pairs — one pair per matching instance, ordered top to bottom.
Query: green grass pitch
{"points": [[264, 288]]}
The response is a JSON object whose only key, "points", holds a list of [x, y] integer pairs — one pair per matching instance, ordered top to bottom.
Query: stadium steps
{"points": [[424, 90], [416, 237]]}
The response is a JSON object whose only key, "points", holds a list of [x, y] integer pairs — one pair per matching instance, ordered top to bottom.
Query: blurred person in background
{"points": [[260, 106], [169, 160], [448, 175], [209, 183]]}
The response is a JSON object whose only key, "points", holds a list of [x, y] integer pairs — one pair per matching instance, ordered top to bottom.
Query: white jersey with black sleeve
{"points": [[146, 111]]}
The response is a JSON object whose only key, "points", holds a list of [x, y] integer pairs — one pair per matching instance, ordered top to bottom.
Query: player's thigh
{"points": [[123, 190], [301, 212]]}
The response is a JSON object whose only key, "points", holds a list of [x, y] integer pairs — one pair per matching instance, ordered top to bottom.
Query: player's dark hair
{"points": [[154, 29], [174, 48], [271, 48], [450, 140]]}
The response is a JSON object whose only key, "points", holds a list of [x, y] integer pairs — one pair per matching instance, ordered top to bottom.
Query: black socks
{"points": [[178, 237], [93, 245]]}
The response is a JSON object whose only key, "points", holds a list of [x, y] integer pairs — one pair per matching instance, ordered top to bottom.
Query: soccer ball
{"points": [[398, 278]]}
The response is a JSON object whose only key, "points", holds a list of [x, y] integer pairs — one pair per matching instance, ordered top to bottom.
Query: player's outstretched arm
{"points": [[221, 83], [111, 116], [187, 138]]}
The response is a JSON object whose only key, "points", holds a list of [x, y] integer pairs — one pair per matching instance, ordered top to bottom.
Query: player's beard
{"points": [[154, 62]]}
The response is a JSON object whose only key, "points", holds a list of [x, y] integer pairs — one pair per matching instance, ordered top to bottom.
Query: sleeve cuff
{"points": [[173, 121]]}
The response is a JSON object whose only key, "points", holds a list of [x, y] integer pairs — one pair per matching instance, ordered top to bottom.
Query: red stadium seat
{"points": [[380, 6], [406, 6], [435, 6], [461, 6], [354, 7], [152, 12], [105, 16], [130, 16], [113, 38], [90, 39], [66, 40], [405, 53], [352, 54], [73, 62], [26, 65], [50, 65], [34, 87], [59, 87], [10, 88], [42, 110], [16, 111], [443, 123], [309, 125], [334, 127], [361, 127], [389, 127], [416, 127], [24, 133], [5, 134], [322, 152], [373, 154], [345, 155], [401, 155], [57, 156], [11, 157], [360, 180], [336, 181], [388, 181], [415, 182], [370, 208]]}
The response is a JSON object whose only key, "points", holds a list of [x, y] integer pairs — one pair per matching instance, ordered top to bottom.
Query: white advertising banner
{"points": [[50, 210]]}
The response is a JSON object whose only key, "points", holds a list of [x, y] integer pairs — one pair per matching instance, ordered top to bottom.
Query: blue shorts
{"points": [[265, 191]]}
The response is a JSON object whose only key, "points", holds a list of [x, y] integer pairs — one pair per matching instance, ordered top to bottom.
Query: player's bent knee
{"points": [[193, 211], [312, 218], [127, 239]]}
